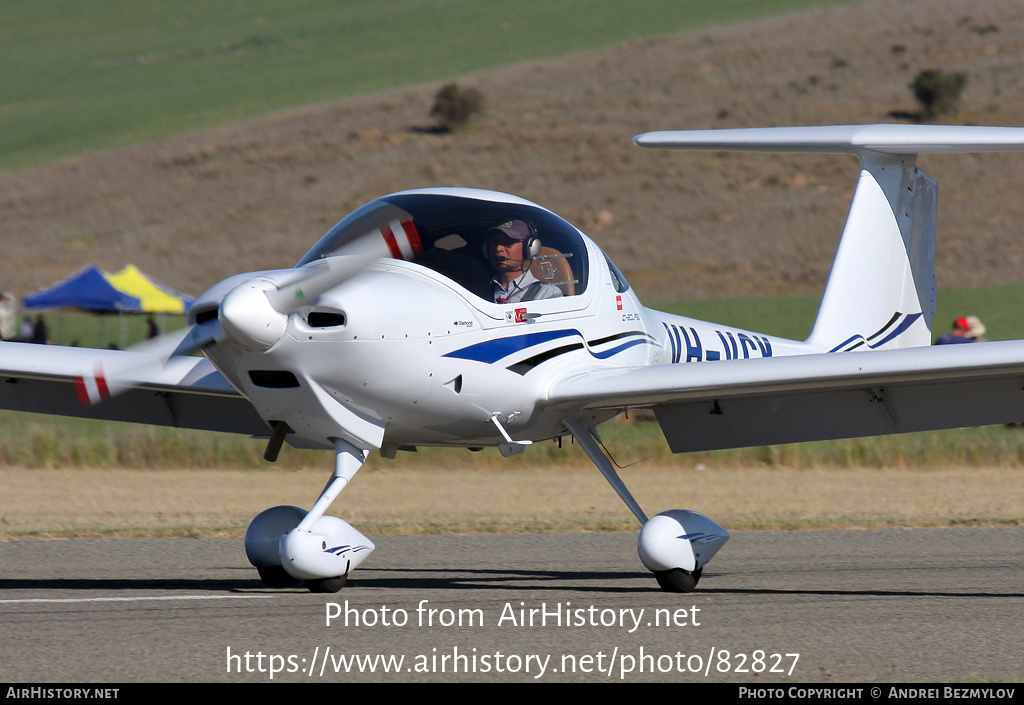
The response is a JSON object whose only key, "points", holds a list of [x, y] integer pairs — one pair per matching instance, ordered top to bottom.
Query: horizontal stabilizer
{"points": [[843, 139]]}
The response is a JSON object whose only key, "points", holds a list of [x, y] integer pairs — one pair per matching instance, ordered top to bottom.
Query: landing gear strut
{"points": [[288, 544], [674, 545]]}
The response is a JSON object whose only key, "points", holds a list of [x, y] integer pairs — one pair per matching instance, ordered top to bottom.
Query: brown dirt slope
{"points": [[256, 195]]}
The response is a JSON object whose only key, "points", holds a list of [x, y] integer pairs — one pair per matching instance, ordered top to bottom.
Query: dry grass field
{"points": [[85, 502]]}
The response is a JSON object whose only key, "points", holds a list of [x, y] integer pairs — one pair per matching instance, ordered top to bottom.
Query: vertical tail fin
{"points": [[881, 291]]}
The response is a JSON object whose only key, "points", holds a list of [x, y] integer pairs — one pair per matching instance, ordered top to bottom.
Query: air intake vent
{"points": [[207, 315], [325, 319], [273, 379]]}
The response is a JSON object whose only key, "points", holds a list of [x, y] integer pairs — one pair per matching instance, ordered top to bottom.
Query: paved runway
{"points": [[836, 606]]}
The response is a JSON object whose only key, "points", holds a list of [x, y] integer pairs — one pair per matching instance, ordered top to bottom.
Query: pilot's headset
{"points": [[517, 229]]}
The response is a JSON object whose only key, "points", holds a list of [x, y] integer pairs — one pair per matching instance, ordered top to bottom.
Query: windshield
{"points": [[452, 231]]}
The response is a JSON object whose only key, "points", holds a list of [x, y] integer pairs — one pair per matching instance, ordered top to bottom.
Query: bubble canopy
{"points": [[451, 228]]}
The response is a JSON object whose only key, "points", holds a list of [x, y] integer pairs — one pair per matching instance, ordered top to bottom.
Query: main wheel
{"points": [[275, 576], [677, 579], [327, 584]]}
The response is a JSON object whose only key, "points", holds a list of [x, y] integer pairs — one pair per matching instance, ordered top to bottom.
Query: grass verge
{"points": [[47, 504]]}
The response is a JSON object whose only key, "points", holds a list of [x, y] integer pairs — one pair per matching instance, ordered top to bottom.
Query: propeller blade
{"points": [[396, 238], [312, 280], [199, 336], [114, 372]]}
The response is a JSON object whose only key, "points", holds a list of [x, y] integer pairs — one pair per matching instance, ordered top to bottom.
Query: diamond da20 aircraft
{"points": [[387, 336]]}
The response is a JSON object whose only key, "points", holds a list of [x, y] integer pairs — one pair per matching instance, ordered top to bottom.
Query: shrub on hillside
{"points": [[938, 92], [454, 106]]}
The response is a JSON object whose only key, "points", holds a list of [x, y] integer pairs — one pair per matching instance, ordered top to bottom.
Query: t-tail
{"points": [[881, 291]]}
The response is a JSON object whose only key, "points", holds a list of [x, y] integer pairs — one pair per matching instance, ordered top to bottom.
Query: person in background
{"points": [[8, 316], [40, 333], [958, 334]]}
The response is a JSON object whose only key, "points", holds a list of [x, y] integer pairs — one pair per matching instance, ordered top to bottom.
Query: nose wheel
{"points": [[288, 545], [274, 576], [677, 579], [327, 585]]}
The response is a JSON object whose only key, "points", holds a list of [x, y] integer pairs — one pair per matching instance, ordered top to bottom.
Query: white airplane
{"points": [[387, 336]]}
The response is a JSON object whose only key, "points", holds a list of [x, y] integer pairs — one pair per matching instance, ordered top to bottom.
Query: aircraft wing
{"points": [[187, 392], [763, 401]]}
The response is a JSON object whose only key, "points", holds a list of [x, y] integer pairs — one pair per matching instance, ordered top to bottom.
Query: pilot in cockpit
{"points": [[511, 248]]}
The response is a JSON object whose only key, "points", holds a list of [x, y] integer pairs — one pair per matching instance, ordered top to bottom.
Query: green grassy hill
{"points": [[86, 76]]}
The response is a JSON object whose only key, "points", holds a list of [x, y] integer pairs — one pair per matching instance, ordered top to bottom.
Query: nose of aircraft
{"points": [[249, 318]]}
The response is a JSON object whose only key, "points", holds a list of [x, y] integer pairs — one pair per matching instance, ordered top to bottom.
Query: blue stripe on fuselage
{"points": [[490, 351]]}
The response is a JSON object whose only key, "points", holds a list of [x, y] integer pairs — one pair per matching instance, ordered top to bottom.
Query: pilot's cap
{"points": [[515, 229]]}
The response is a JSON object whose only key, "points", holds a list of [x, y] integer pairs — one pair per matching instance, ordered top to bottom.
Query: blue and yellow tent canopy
{"points": [[126, 291]]}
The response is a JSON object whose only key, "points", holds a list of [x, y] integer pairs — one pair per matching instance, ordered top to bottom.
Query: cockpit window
{"points": [[451, 231], [618, 281]]}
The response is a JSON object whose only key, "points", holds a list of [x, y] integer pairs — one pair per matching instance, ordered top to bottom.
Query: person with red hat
{"points": [[958, 335]]}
